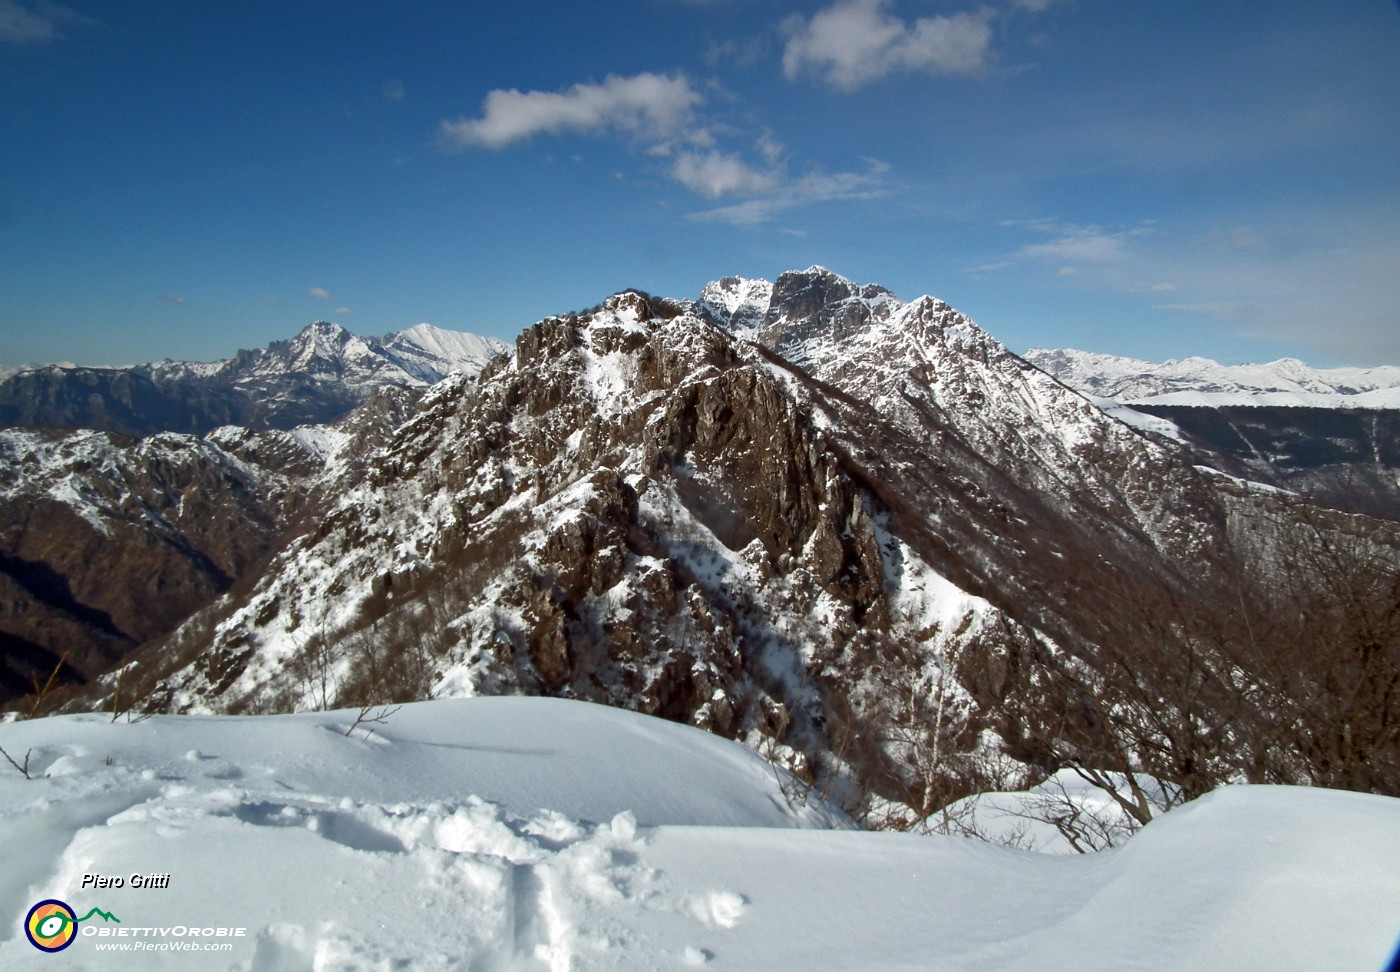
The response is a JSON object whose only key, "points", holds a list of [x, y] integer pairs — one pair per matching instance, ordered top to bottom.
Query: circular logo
{"points": [[51, 926]]}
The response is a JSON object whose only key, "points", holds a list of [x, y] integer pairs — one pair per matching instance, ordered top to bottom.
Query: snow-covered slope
{"points": [[738, 303], [327, 353], [430, 354], [421, 355], [931, 372], [1286, 382], [108, 542], [526, 834]]}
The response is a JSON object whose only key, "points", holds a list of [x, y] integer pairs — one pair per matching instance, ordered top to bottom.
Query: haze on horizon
{"points": [[1156, 181]]}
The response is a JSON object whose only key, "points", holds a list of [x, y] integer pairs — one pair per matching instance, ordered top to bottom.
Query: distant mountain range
{"points": [[316, 377], [1285, 383], [1329, 433]]}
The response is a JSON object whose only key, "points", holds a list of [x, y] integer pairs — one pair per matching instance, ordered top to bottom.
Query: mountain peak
{"points": [[817, 270], [818, 285], [737, 304], [818, 304], [806, 315], [324, 327], [322, 336], [322, 347]]}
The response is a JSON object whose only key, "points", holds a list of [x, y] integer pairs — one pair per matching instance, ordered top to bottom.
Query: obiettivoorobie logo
{"points": [[51, 925]]}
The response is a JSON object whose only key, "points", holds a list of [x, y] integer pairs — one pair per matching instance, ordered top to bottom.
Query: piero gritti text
{"points": [[151, 882]]}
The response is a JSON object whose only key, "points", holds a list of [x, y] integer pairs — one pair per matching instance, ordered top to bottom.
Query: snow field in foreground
{"points": [[519, 834]]}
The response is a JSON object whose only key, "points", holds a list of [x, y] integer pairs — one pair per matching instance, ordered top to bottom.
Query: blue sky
{"points": [[1151, 179]]}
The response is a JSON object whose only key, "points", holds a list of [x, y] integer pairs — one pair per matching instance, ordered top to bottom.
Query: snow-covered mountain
{"points": [[741, 304], [429, 354], [419, 356], [314, 378], [1286, 382], [845, 521], [855, 532], [107, 542], [938, 588], [538, 834]]}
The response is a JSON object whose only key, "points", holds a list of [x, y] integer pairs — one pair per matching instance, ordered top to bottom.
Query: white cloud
{"points": [[20, 24], [855, 42], [739, 51], [393, 91], [651, 106], [656, 110], [660, 115], [770, 148], [716, 174], [816, 188], [1078, 244], [1068, 245], [320, 293], [173, 299], [341, 310]]}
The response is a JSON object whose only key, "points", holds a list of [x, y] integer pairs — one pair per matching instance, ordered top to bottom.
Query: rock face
{"points": [[315, 378]]}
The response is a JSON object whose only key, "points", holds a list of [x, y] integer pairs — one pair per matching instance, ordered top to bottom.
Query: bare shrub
{"points": [[135, 706], [372, 714], [22, 768]]}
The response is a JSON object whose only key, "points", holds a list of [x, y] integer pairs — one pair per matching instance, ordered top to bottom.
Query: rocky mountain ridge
{"points": [[873, 520], [857, 533], [107, 542]]}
